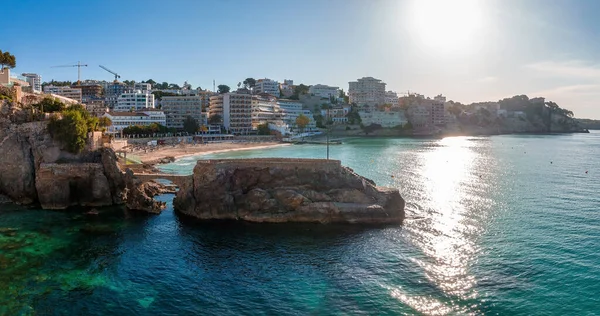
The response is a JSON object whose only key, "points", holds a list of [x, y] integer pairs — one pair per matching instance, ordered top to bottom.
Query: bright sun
{"points": [[446, 24]]}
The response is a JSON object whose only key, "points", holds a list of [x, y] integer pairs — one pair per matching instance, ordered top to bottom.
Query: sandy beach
{"points": [[154, 155]]}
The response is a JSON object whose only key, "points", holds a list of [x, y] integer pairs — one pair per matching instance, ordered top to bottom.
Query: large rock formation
{"points": [[286, 190], [139, 195]]}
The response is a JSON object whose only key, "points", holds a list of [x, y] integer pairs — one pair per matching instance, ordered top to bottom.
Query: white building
{"points": [[35, 81], [138, 86], [266, 86], [287, 88], [324, 91], [367, 91], [67, 92], [391, 97], [134, 100], [178, 108], [265, 110], [290, 110], [385, 118], [121, 120]]}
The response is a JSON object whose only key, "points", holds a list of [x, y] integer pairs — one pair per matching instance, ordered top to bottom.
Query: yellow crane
{"points": [[78, 65], [117, 76]]}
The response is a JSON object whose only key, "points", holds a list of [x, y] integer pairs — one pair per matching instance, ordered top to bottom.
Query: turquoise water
{"points": [[504, 225]]}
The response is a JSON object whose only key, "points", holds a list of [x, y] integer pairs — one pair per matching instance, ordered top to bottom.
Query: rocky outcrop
{"points": [[286, 190], [139, 195]]}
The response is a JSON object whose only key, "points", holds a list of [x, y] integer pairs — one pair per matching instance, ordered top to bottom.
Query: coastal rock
{"points": [[286, 190], [139, 195]]}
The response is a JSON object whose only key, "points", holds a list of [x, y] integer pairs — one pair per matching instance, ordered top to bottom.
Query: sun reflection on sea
{"points": [[448, 170]]}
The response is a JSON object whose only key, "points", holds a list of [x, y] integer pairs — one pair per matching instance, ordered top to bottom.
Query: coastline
{"points": [[156, 155]]}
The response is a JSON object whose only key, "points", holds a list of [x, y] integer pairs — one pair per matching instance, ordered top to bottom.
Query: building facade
{"points": [[34, 80], [139, 86], [266, 86], [287, 88], [324, 91], [367, 91], [67, 92], [112, 92], [90, 93], [391, 97], [134, 100], [96, 107], [178, 108], [235, 109], [290, 110], [387, 118], [121, 120]]}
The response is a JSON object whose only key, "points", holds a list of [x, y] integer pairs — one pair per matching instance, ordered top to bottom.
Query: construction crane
{"points": [[78, 65], [117, 76]]}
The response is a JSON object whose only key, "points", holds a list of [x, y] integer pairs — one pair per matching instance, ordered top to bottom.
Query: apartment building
{"points": [[34, 80], [142, 86], [266, 86], [287, 88], [324, 91], [367, 91], [67, 92], [90, 92], [112, 92], [391, 97], [134, 100], [96, 107], [178, 108], [235, 110], [265, 110], [290, 110], [386, 118], [121, 120]]}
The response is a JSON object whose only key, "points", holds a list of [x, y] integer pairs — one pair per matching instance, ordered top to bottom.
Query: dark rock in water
{"points": [[286, 190], [139, 195]]}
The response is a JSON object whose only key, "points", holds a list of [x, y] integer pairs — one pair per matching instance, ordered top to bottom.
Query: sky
{"points": [[467, 50]]}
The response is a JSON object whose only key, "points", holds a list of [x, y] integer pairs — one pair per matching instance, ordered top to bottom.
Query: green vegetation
{"points": [[7, 60], [57, 83], [249, 83], [223, 89], [298, 91], [5, 94], [158, 95], [50, 105], [353, 116], [215, 119], [190, 125], [72, 127], [153, 128], [263, 129]]}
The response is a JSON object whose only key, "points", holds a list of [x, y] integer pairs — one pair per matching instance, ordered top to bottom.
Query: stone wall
{"points": [[281, 163]]}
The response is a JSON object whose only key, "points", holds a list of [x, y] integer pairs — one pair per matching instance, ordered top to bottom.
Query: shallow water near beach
{"points": [[506, 225]]}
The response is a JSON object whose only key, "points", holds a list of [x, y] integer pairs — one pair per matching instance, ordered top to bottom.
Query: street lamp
{"points": [[327, 126]]}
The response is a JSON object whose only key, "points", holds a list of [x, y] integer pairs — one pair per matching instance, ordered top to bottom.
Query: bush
{"points": [[73, 127]]}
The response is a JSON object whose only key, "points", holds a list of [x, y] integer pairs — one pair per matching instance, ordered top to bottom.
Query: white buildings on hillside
{"points": [[35, 81], [138, 86], [266, 86], [287, 87], [112, 91], [324, 91], [367, 91], [67, 92], [391, 97], [134, 100], [178, 108], [235, 110], [265, 110], [290, 110], [337, 114], [385, 118], [121, 120]]}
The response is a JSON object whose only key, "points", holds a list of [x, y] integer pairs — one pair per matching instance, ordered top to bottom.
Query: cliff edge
{"points": [[286, 190]]}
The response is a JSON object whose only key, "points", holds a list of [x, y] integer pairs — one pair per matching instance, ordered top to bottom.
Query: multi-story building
{"points": [[34, 80], [139, 86], [266, 86], [287, 88], [324, 91], [367, 91], [67, 92], [90, 92], [112, 92], [391, 98], [134, 100], [96, 107], [178, 108], [235, 109], [265, 110], [290, 110], [386, 118], [121, 120]]}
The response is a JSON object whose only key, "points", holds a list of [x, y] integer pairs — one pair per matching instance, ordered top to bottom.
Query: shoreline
{"points": [[156, 156]]}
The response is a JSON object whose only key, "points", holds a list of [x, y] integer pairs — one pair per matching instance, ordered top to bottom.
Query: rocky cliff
{"points": [[286, 190]]}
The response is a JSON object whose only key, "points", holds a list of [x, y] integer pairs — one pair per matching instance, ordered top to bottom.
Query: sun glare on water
{"points": [[448, 25]]}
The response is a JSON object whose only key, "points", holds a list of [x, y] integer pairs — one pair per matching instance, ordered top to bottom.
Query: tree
{"points": [[7, 60], [152, 82], [249, 83], [174, 86], [223, 88], [298, 91], [50, 105], [215, 119], [302, 121], [104, 122], [190, 125], [73, 127], [263, 129]]}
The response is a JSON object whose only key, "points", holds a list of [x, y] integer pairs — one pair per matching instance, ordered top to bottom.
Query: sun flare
{"points": [[446, 24]]}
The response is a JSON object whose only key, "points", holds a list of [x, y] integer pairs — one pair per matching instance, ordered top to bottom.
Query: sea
{"points": [[501, 225]]}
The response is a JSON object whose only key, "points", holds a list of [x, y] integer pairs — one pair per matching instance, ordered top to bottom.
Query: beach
{"points": [[152, 155]]}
